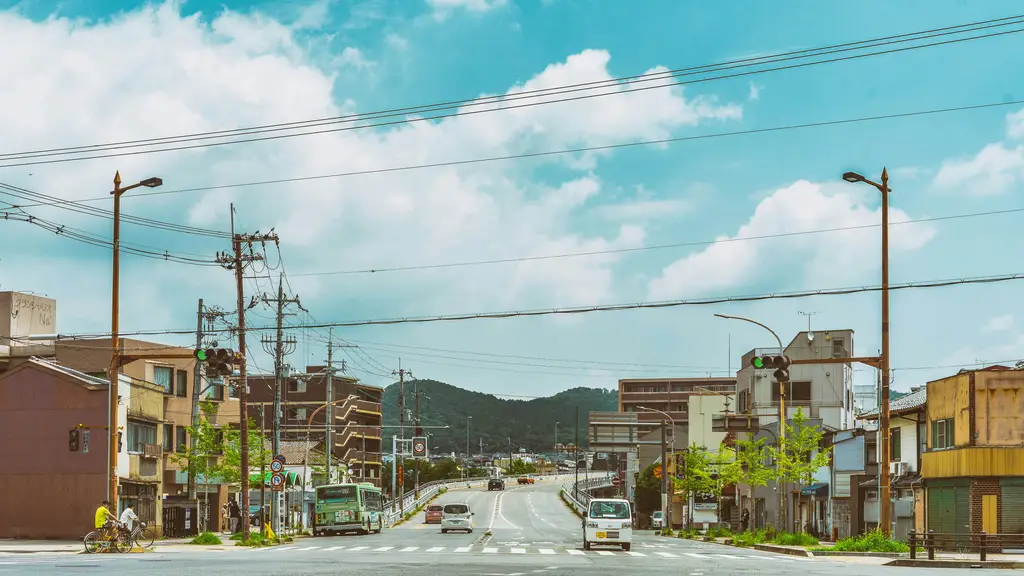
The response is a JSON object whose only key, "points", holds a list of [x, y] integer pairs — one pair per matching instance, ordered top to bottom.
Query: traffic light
{"points": [[218, 361], [779, 363], [73, 437]]}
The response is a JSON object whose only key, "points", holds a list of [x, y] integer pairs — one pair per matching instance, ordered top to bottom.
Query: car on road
{"points": [[526, 480], [495, 484], [434, 513], [456, 517], [658, 520], [609, 522]]}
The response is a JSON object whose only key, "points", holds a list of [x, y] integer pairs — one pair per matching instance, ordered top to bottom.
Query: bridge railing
{"points": [[578, 493]]}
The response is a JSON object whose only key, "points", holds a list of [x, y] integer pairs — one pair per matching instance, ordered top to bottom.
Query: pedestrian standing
{"points": [[235, 515], [224, 526]]}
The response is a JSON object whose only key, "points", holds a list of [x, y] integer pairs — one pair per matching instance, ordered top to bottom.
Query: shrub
{"points": [[719, 532], [206, 539], [748, 539], [799, 539], [256, 540], [874, 541]]}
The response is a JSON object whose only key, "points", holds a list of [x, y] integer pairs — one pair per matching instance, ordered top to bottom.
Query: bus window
{"points": [[336, 494]]}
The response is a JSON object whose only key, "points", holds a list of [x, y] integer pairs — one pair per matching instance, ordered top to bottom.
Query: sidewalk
{"points": [[40, 546]]}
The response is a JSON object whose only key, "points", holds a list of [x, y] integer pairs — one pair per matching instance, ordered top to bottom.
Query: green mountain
{"points": [[529, 423]]}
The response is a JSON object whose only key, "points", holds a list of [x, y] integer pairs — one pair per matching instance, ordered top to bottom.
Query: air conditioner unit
{"points": [[898, 469]]}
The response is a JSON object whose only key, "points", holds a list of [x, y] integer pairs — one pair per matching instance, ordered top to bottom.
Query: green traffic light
{"points": [[201, 355], [758, 362]]}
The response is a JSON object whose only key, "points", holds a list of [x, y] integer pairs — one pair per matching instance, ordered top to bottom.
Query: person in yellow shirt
{"points": [[102, 515]]}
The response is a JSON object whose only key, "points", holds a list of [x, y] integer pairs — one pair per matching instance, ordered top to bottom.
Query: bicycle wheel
{"points": [[146, 537], [93, 542], [123, 542]]}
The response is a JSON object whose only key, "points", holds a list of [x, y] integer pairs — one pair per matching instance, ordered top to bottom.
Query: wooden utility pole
{"points": [[237, 261], [401, 372], [197, 374]]}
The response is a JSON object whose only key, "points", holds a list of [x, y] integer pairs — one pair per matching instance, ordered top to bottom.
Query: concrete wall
{"points": [[26, 315], [702, 407]]}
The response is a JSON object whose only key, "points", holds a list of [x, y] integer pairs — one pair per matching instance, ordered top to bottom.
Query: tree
{"points": [[199, 455], [751, 455], [801, 456], [518, 467], [230, 468], [726, 470], [696, 474], [648, 491]]}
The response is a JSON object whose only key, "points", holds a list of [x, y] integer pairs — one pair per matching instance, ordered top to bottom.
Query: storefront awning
{"points": [[819, 489]]}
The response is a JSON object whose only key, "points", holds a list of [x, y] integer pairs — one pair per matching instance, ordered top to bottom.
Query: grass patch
{"points": [[718, 532], [236, 536], [206, 539], [749, 539], [256, 540], [874, 541]]}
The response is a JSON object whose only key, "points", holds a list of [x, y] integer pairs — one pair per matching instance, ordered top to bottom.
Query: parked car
{"points": [[495, 484], [434, 512], [456, 517], [658, 520], [609, 522]]}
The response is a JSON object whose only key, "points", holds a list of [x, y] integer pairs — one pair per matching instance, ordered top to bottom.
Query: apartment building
{"points": [[669, 395], [357, 427], [973, 467]]}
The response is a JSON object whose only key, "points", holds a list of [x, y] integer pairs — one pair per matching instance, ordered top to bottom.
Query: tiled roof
{"points": [[70, 372], [911, 401]]}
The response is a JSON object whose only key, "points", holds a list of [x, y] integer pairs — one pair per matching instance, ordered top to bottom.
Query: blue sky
{"points": [[95, 72]]}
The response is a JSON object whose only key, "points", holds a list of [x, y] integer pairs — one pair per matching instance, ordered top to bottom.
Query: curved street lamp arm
{"points": [[777, 339]]}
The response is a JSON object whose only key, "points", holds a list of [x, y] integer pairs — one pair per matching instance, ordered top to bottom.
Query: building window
{"points": [[163, 376], [182, 383], [297, 386], [217, 392], [799, 392], [299, 414], [140, 434], [942, 434], [181, 438], [218, 441], [168, 442], [894, 444], [872, 450]]}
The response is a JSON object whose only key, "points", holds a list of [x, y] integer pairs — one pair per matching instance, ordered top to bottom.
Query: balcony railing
{"points": [[152, 450]]}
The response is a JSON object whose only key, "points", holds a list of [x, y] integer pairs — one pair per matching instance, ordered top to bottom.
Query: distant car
{"points": [[526, 480], [495, 484], [434, 513], [658, 520]]}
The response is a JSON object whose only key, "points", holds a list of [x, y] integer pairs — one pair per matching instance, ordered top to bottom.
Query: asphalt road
{"points": [[532, 534]]}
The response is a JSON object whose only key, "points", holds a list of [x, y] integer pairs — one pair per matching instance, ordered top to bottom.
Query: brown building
{"points": [[175, 379], [669, 395], [357, 415], [973, 467]]}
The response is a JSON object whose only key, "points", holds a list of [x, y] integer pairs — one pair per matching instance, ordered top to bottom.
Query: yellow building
{"points": [[973, 468]]}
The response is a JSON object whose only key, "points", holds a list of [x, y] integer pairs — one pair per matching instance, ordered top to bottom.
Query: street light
{"points": [[115, 338], [883, 361], [468, 457], [666, 494]]}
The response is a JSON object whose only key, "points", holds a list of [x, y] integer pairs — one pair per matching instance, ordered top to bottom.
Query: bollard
{"points": [[912, 540], [983, 542], [931, 544]]}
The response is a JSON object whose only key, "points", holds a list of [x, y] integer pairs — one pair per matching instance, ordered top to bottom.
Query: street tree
{"points": [[199, 455], [802, 455], [726, 470], [696, 477]]}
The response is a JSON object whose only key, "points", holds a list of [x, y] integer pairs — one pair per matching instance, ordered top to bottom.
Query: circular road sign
{"points": [[419, 447], [280, 457], [276, 466], [277, 479], [616, 481]]}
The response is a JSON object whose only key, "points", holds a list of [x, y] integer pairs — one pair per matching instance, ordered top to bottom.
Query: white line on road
{"points": [[514, 527], [287, 548], [308, 548], [333, 548], [358, 548], [463, 548], [383, 549], [410, 549], [435, 549], [490, 550], [519, 550], [546, 551], [576, 552], [605, 553], [636, 553], [667, 554], [693, 555], [731, 557]]}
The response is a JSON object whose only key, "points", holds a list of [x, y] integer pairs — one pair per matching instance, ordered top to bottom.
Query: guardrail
{"points": [[578, 494], [979, 542]]}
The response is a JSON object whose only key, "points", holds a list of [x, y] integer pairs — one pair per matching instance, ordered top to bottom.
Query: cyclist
{"points": [[103, 517], [128, 517]]}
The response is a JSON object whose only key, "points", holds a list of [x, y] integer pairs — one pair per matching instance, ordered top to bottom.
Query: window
{"points": [[837, 348], [163, 376], [182, 383], [297, 386], [216, 392], [796, 392], [743, 405], [300, 414], [140, 434], [942, 434], [181, 438], [218, 440], [168, 442], [894, 444], [872, 450], [613, 510]]}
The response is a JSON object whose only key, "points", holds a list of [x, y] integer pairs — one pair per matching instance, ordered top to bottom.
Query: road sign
{"points": [[419, 447], [280, 458], [276, 466], [277, 481], [616, 481]]}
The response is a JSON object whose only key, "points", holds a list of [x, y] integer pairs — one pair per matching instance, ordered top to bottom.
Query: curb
{"points": [[783, 550], [44, 551], [838, 553], [996, 564]]}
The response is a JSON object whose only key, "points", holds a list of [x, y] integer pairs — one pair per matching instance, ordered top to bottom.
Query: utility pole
{"points": [[237, 262], [280, 347], [401, 373], [196, 379], [418, 433], [329, 439], [576, 455], [666, 496]]}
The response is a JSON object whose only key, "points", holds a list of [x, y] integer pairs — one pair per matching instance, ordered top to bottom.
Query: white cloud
{"points": [[442, 8], [395, 41], [354, 57], [248, 70], [755, 92], [1015, 125], [993, 170], [644, 210], [802, 260], [1001, 323]]}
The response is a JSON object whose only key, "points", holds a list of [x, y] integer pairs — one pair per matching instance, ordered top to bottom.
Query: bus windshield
{"points": [[337, 494]]}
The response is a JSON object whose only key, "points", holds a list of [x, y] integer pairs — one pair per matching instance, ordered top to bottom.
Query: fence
{"points": [[578, 494], [979, 542]]}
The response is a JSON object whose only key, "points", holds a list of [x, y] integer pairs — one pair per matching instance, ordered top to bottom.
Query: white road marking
{"points": [[287, 548], [308, 548], [333, 548], [358, 548], [383, 549], [410, 549], [435, 549], [463, 549], [490, 550], [518, 550], [546, 551], [576, 552], [605, 553], [636, 553], [667, 554], [694, 555], [731, 557]]}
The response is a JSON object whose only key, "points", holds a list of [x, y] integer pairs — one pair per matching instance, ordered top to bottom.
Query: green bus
{"points": [[348, 508]]}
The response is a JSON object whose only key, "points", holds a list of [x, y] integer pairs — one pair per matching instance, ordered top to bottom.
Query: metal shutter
{"points": [[1011, 506], [941, 510]]}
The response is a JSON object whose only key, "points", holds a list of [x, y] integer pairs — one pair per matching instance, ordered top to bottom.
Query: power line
{"points": [[1009, 20], [514, 98], [529, 155], [657, 246], [600, 308]]}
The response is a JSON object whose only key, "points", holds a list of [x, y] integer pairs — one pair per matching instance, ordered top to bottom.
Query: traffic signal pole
{"points": [[196, 375]]}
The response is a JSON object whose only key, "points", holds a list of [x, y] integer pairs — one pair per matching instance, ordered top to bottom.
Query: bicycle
{"points": [[110, 535], [142, 535]]}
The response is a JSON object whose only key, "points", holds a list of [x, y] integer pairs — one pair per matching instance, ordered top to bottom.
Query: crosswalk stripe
{"points": [[287, 548], [308, 548], [333, 548], [358, 548], [383, 549], [410, 549], [435, 549], [463, 549], [490, 550], [519, 550], [546, 551], [577, 552], [605, 553], [636, 553], [667, 554], [695, 555], [731, 557]]}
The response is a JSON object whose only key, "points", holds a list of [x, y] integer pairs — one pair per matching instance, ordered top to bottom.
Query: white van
{"points": [[456, 517], [609, 522]]}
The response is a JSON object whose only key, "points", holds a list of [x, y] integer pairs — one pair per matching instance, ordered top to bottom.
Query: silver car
{"points": [[456, 517], [658, 520]]}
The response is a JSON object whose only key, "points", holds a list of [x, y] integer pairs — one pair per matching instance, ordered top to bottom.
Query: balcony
{"points": [[152, 450], [143, 468]]}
